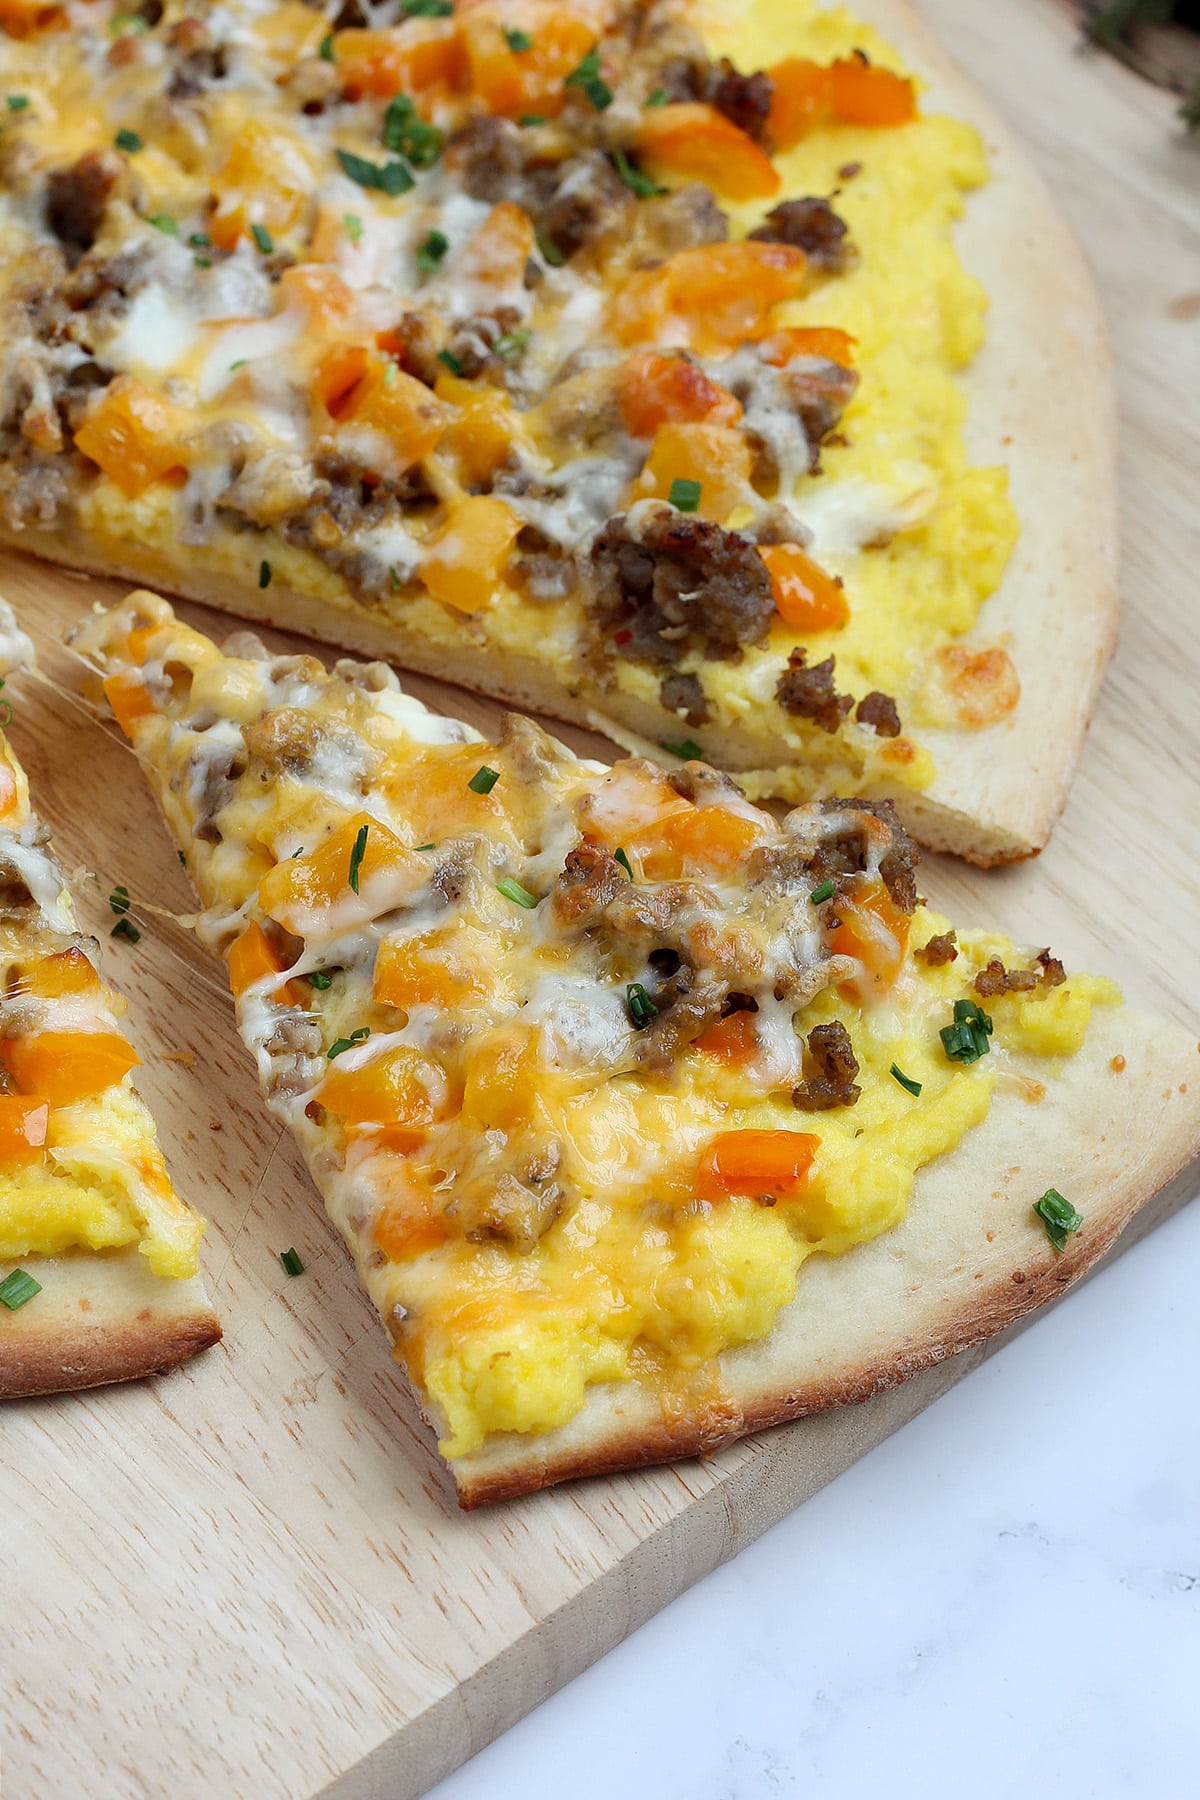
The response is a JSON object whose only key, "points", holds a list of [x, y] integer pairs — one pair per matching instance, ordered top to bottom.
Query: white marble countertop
{"points": [[1002, 1600]]}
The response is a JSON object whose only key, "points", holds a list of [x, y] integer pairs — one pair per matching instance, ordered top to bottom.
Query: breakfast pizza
{"points": [[614, 357], [649, 1120], [99, 1263]]}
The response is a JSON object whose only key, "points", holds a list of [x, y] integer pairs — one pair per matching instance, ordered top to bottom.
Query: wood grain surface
{"points": [[250, 1577]]}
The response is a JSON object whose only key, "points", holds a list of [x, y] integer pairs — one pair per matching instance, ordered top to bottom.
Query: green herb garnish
{"points": [[427, 9], [125, 24], [517, 41], [326, 50], [587, 78], [657, 98], [17, 102], [531, 119], [405, 133], [129, 141], [388, 178], [634, 180], [165, 223], [352, 226], [262, 239], [200, 240], [549, 250], [431, 252], [202, 262], [510, 345], [450, 361], [685, 495], [264, 574], [394, 581], [6, 711], [687, 750], [483, 780], [417, 848], [356, 856], [622, 857], [512, 890], [820, 894], [119, 900], [125, 928], [319, 979], [639, 1005], [967, 1039], [339, 1044], [906, 1081], [1058, 1216], [291, 1262], [18, 1287]]}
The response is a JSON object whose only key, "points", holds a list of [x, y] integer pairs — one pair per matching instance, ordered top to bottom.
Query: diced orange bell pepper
{"points": [[22, 18], [401, 59], [514, 82], [864, 94], [801, 98], [691, 139], [266, 180], [497, 254], [321, 295], [709, 298], [808, 340], [337, 374], [658, 390], [400, 408], [133, 434], [480, 437], [717, 456], [465, 562], [806, 598], [129, 697], [10, 790], [701, 840], [303, 889], [873, 929], [251, 956], [432, 968], [64, 972], [732, 1041], [65, 1066], [393, 1093], [24, 1122], [771, 1164], [410, 1224]]}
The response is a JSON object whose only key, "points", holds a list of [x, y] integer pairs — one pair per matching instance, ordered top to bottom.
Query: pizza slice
{"points": [[534, 344], [649, 1120], [99, 1258]]}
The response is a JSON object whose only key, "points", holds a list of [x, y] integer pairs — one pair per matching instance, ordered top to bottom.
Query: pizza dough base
{"points": [[1041, 400], [969, 1259], [100, 1317]]}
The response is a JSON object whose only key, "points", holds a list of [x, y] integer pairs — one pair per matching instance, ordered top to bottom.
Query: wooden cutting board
{"points": [[250, 1576]]}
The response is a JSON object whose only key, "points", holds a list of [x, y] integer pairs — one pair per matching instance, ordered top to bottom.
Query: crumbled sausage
{"points": [[744, 99], [77, 199], [590, 202], [682, 220], [810, 225], [819, 391], [675, 583], [809, 693], [684, 694], [880, 713], [281, 742], [705, 786], [847, 851], [591, 878], [939, 950], [1053, 973], [995, 979], [829, 1055]]}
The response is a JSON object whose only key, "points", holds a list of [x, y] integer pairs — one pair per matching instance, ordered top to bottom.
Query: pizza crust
{"points": [[1041, 400], [969, 1259], [100, 1317]]}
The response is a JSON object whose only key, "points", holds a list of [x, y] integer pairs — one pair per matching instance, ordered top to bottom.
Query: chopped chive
{"points": [[427, 9], [125, 24], [517, 41], [326, 50], [587, 78], [657, 98], [17, 102], [532, 119], [405, 133], [129, 141], [389, 178], [642, 185], [165, 223], [352, 226], [262, 238], [199, 239], [550, 251], [431, 252], [202, 262], [510, 345], [451, 362], [239, 364], [391, 375], [685, 495], [264, 574], [394, 578], [687, 750], [483, 780], [419, 847], [356, 856], [620, 856], [182, 859], [512, 890], [820, 894], [119, 900], [125, 928], [319, 979], [639, 1005], [967, 1039], [339, 1044], [906, 1081], [1058, 1216], [291, 1262], [18, 1287]]}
